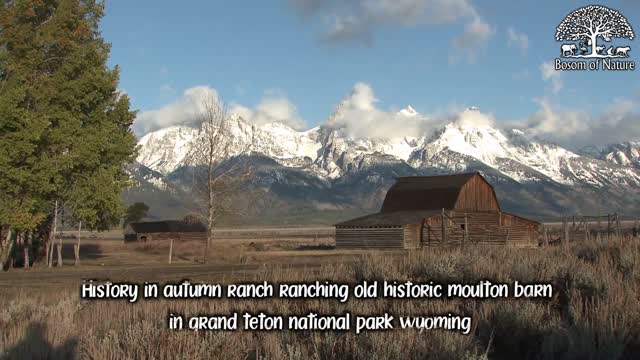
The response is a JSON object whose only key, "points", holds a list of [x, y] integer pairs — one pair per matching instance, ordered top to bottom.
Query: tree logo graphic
{"points": [[589, 29]]}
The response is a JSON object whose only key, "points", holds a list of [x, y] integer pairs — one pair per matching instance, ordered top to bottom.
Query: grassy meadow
{"points": [[594, 313]]}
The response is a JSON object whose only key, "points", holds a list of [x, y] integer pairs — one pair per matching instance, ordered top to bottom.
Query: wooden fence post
{"points": [[599, 222], [442, 227], [466, 229], [565, 229], [586, 230], [545, 234], [506, 240], [170, 249]]}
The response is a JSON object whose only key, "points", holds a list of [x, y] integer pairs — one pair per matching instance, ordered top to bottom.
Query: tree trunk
{"points": [[210, 208], [52, 235], [60, 239], [78, 245], [8, 248], [27, 248], [59, 251]]}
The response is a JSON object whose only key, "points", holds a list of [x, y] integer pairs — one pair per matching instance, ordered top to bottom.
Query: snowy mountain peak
{"points": [[471, 140], [165, 149], [626, 153]]}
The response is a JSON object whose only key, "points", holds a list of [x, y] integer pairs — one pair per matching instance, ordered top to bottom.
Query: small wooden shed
{"points": [[421, 211], [164, 230]]}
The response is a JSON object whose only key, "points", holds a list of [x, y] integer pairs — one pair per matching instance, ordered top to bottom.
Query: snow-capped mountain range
{"points": [[627, 153], [328, 157]]}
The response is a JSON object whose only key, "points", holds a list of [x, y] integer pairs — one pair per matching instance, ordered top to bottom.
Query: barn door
{"points": [[412, 236]]}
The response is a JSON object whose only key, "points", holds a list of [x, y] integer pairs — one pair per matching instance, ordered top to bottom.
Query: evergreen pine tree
{"points": [[65, 129]]}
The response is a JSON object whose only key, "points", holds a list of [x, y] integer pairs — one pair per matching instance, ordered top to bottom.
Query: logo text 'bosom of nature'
{"points": [[591, 32]]}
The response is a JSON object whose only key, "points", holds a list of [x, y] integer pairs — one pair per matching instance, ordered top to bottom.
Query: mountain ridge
{"points": [[333, 162]]}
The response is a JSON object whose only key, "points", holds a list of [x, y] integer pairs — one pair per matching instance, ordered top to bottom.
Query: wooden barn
{"points": [[420, 211], [163, 230]]}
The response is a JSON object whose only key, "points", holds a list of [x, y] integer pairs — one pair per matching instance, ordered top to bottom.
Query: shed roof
{"points": [[425, 192], [390, 218], [165, 227]]}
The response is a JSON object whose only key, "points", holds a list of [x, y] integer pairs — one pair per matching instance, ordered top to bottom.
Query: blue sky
{"points": [[435, 55]]}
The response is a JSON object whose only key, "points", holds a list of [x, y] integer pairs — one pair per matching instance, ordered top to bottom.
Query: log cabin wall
{"points": [[371, 238]]}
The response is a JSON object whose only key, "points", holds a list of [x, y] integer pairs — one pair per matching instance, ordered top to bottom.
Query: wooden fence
{"points": [[588, 227]]}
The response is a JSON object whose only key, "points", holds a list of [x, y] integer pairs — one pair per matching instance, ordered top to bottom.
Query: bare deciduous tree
{"points": [[218, 165]]}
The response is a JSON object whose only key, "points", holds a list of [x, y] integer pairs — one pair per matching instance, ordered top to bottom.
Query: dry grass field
{"points": [[594, 312]]}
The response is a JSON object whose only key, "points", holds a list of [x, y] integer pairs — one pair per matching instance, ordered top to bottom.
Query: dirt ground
{"points": [[105, 256]]}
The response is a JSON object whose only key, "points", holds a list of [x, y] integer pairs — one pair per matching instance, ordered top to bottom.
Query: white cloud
{"points": [[357, 20], [518, 40], [472, 41], [550, 74], [187, 109], [271, 109], [183, 111], [359, 117], [474, 118], [550, 122], [575, 129]]}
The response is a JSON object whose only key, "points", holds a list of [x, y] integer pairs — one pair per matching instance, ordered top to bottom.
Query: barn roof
{"points": [[425, 192], [390, 218], [165, 227]]}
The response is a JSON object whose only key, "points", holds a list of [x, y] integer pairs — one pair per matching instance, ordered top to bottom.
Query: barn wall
{"points": [[477, 195], [509, 220], [483, 228], [412, 236], [370, 238]]}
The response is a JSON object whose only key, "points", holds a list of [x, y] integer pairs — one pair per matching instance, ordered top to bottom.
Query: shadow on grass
{"points": [[316, 247], [88, 251], [16, 260], [35, 346]]}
